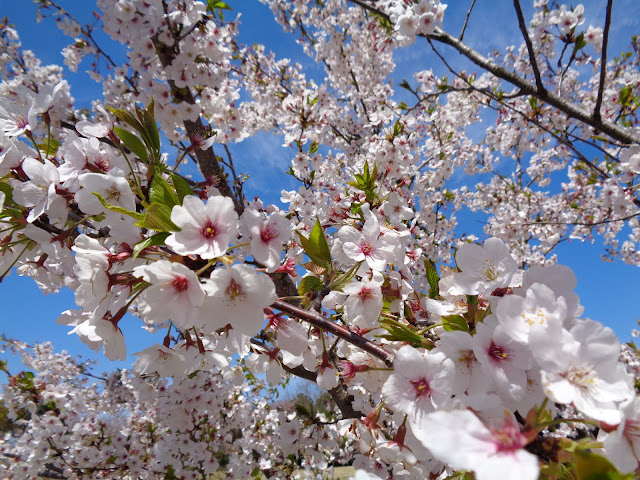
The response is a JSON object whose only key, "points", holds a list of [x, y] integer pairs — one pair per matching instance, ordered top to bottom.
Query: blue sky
{"points": [[607, 290]]}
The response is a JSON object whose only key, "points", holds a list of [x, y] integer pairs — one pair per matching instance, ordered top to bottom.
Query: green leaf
{"points": [[216, 5], [580, 42], [404, 84], [625, 95], [127, 117], [150, 128], [132, 142], [49, 148], [183, 189], [8, 192], [161, 192], [115, 208], [158, 217], [157, 239], [318, 248], [433, 278], [309, 283], [455, 322], [398, 332], [25, 379], [590, 466], [170, 475]]}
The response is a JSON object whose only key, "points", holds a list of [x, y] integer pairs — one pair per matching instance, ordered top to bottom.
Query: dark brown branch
{"points": [[466, 20], [527, 41], [603, 61], [487, 92], [614, 131], [207, 161], [584, 224], [324, 323], [339, 394]]}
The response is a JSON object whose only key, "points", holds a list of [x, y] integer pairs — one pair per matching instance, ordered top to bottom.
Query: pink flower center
{"points": [[22, 122], [103, 164], [209, 230], [267, 234], [366, 248], [180, 284], [234, 289], [365, 294], [498, 353], [421, 387], [632, 430], [509, 439]]}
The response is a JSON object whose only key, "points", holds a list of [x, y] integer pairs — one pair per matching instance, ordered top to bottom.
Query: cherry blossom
{"points": [[205, 229], [175, 294], [237, 296], [437, 352], [460, 439]]}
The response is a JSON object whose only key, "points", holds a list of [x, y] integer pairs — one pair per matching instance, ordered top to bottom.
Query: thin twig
{"points": [[466, 19], [527, 41], [603, 61], [614, 131], [601, 173], [584, 224], [324, 323]]}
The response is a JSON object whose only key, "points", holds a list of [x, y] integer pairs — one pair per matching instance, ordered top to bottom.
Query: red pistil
{"points": [[209, 230], [267, 234], [366, 248], [180, 284], [234, 289], [365, 294], [497, 353], [421, 387]]}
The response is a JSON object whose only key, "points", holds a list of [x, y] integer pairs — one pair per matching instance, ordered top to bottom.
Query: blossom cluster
{"points": [[437, 363], [62, 420]]}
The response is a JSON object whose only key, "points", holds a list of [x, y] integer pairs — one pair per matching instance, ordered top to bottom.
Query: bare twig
{"points": [[466, 19], [527, 41], [603, 61], [614, 131], [601, 173], [584, 224], [324, 323]]}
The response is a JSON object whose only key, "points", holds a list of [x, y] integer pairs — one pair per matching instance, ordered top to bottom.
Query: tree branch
{"points": [[466, 19], [527, 41], [603, 61], [614, 131], [324, 323], [339, 394]]}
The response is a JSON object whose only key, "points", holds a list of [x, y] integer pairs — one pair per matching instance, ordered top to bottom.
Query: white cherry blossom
{"points": [[205, 229]]}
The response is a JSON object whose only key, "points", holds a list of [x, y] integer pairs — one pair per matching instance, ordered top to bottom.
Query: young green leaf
{"points": [[132, 142], [183, 189], [161, 192], [115, 208], [158, 217], [153, 240], [318, 248], [433, 278], [308, 284], [455, 322], [398, 332]]}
